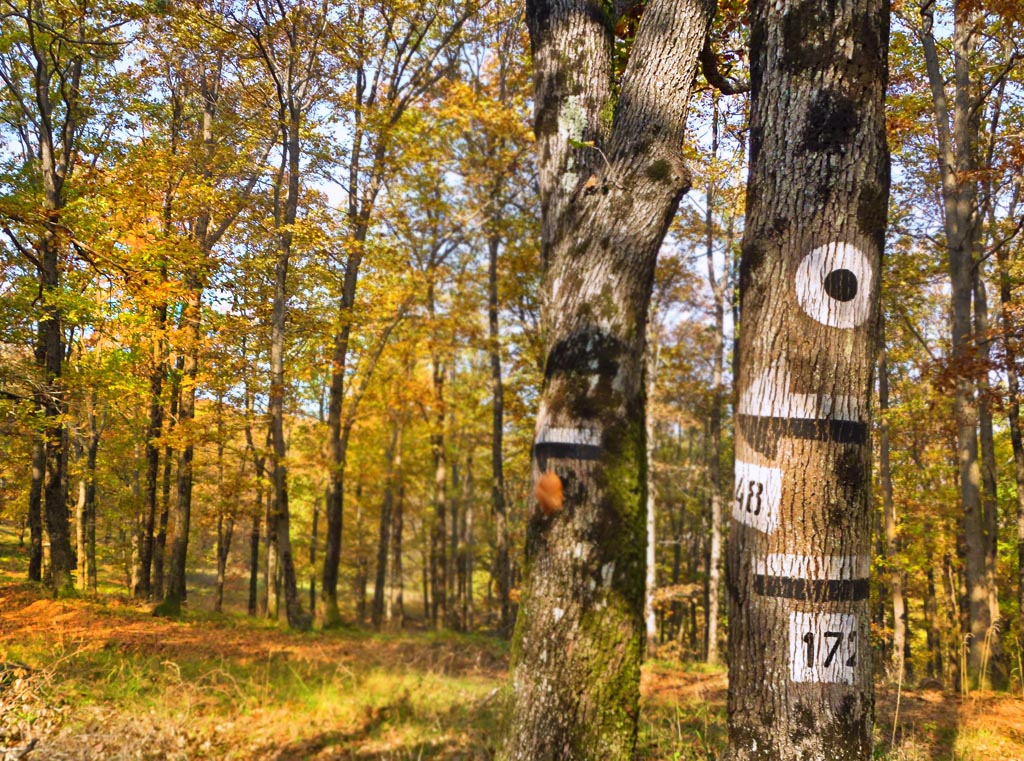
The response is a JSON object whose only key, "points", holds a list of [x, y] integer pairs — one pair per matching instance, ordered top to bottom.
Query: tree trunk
{"points": [[958, 147], [611, 174], [718, 286], [1010, 348], [275, 404], [153, 431], [393, 458], [165, 486], [35, 510], [225, 530], [438, 532], [254, 556], [651, 557], [501, 562], [175, 593], [396, 615], [900, 644], [800, 676]]}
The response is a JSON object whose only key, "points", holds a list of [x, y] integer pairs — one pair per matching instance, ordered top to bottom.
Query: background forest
{"points": [[270, 322]]}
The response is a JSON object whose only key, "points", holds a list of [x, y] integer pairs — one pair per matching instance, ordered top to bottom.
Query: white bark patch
{"points": [[833, 285], [769, 396], [585, 436], [757, 496], [835, 567], [607, 572], [557, 613], [823, 647]]}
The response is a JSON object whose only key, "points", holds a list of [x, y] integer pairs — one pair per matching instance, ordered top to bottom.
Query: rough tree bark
{"points": [[611, 173], [800, 678]]}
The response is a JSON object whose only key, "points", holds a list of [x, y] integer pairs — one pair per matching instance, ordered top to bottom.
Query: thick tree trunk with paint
{"points": [[958, 132], [611, 174], [800, 677]]}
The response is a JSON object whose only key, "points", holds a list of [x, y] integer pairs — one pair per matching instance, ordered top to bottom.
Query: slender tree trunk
{"points": [[958, 149], [610, 184], [718, 286], [1010, 349], [275, 405], [153, 431], [393, 458], [165, 485], [35, 510], [438, 533], [224, 534], [254, 556], [651, 558], [501, 562], [175, 592], [397, 611], [899, 666], [800, 675]]}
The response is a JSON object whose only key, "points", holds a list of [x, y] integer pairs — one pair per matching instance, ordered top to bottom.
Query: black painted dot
{"points": [[841, 285]]}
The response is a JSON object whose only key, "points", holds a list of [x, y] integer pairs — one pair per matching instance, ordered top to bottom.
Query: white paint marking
{"points": [[811, 285], [769, 396], [585, 436], [757, 496], [834, 567], [558, 613], [823, 647]]}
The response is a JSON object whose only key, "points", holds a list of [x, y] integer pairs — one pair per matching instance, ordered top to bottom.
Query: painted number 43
{"points": [[823, 647]]}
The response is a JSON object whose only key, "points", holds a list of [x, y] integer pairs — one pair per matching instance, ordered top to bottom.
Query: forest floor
{"points": [[102, 678]]}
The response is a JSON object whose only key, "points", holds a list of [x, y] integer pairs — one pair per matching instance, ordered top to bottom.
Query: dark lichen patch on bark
{"points": [[832, 122], [659, 171], [872, 210], [750, 262], [586, 352], [851, 473], [805, 723]]}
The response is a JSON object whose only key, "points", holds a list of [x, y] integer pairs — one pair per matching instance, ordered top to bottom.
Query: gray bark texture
{"points": [[611, 173], [800, 678]]}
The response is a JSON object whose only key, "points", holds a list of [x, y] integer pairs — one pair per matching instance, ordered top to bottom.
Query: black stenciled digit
{"points": [[754, 491], [739, 495], [809, 640], [852, 640], [830, 656]]}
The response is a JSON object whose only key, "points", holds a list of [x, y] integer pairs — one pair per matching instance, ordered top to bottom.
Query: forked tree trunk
{"points": [[611, 174], [800, 677]]}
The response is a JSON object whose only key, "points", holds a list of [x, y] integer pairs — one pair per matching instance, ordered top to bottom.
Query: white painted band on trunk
{"points": [[824, 282], [769, 396], [584, 436], [756, 497], [825, 567], [823, 647]]}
